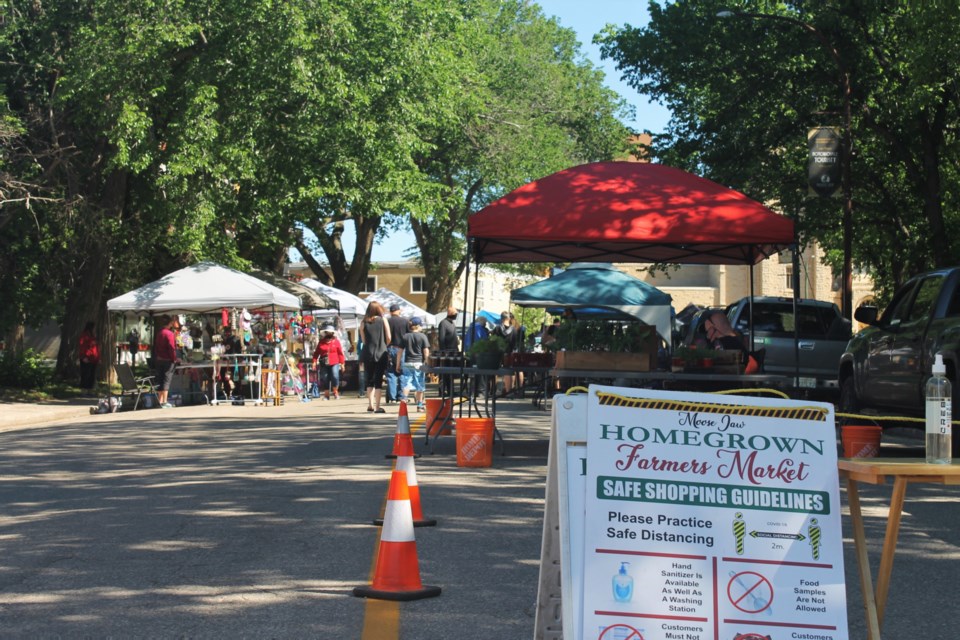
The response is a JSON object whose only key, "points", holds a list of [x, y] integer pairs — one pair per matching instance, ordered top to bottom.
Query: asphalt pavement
{"points": [[255, 522]]}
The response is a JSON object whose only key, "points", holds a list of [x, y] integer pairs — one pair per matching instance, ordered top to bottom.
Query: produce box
{"points": [[606, 361]]}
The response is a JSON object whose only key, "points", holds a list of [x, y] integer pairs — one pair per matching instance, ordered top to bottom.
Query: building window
{"points": [[789, 281], [418, 284], [371, 285]]}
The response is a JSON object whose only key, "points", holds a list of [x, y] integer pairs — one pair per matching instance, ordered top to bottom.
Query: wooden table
{"points": [[680, 380], [876, 471]]}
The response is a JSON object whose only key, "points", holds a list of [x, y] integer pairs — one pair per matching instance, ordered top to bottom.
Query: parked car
{"points": [[822, 334], [886, 365]]}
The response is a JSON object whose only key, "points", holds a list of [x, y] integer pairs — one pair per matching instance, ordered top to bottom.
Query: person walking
{"points": [[375, 336], [89, 351], [416, 351], [165, 357], [327, 360], [396, 382]]}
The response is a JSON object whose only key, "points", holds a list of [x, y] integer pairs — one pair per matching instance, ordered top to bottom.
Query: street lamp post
{"points": [[846, 293]]}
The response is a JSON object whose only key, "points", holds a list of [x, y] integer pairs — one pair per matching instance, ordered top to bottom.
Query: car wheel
{"points": [[849, 401]]}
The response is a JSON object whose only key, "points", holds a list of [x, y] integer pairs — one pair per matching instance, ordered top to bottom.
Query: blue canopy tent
{"points": [[600, 289]]}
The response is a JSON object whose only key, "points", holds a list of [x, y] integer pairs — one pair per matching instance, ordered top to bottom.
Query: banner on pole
{"points": [[823, 163]]}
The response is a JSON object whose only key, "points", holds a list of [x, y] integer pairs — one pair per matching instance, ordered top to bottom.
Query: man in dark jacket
{"points": [[447, 332], [449, 345], [395, 379]]}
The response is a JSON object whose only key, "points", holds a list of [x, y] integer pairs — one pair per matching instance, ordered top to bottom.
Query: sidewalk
{"points": [[20, 415]]}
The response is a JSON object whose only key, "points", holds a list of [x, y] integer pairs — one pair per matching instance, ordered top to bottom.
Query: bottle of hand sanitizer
{"points": [[623, 584]]}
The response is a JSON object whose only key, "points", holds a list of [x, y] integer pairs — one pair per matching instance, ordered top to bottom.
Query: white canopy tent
{"points": [[203, 288], [352, 308], [407, 308]]}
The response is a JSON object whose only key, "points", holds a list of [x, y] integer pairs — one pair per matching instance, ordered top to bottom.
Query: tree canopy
{"points": [[745, 81], [140, 137]]}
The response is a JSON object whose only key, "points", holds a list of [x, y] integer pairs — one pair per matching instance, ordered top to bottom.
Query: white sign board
{"points": [[710, 518]]}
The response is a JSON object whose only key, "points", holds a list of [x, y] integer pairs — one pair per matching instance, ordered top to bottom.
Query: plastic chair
{"points": [[132, 385]]}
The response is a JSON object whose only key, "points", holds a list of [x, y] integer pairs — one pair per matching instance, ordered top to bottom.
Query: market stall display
{"points": [[599, 290], [230, 323]]}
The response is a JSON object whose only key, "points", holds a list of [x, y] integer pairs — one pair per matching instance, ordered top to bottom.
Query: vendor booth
{"points": [[627, 212], [600, 290], [229, 298]]}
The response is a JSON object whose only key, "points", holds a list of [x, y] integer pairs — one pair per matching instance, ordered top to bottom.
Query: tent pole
{"points": [[463, 322], [796, 330], [752, 343]]}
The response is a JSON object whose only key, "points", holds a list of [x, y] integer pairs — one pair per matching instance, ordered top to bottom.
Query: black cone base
{"points": [[402, 596]]}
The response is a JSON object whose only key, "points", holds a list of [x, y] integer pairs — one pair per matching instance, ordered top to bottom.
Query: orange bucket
{"points": [[439, 416], [860, 441], [474, 442]]}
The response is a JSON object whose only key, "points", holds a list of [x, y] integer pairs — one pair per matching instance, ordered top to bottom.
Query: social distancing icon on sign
{"points": [[620, 632]]}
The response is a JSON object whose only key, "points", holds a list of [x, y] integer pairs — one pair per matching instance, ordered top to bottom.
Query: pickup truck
{"points": [[822, 332], [886, 365]]}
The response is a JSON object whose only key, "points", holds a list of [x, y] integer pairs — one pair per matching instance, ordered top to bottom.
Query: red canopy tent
{"points": [[627, 212]]}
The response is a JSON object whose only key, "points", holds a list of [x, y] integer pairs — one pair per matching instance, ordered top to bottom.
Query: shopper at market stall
{"points": [[509, 330], [476, 331], [375, 336], [722, 336], [133, 345], [449, 345], [89, 351], [416, 351], [165, 357], [328, 357], [395, 380]]}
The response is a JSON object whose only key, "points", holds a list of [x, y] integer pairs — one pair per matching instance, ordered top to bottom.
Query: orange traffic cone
{"points": [[403, 433], [405, 463], [397, 575]]}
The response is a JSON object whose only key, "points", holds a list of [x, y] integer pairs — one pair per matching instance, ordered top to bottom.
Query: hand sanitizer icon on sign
{"points": [[623, 584]]}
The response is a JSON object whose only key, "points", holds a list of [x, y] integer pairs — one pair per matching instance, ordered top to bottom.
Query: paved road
{"points": [[252, 522]]}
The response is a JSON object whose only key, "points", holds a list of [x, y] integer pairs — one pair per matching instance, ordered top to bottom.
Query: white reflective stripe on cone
{"points": [[406, 464], [397, 522]]}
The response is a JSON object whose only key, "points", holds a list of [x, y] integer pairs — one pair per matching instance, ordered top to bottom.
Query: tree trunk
{"points": [[436, 253], [343, 274], [85, 301], [13, 341]]}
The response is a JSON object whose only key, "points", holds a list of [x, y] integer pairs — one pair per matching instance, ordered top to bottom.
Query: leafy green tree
{"points": [[743, 91], [523, 103], [147, 126]]}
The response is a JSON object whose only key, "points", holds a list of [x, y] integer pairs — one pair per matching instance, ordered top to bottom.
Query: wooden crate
{"points": [[606, 361], [728, 362]]}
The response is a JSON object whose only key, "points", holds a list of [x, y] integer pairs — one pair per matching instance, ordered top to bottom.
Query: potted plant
{"points": [[488, 352], [693, 358]]}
